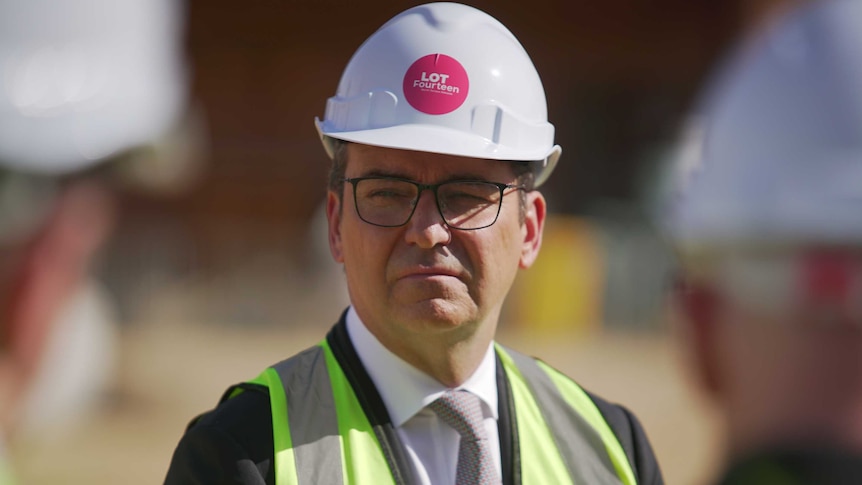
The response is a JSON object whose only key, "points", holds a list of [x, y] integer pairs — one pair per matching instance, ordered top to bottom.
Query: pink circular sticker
{"points": [[436, 84]]}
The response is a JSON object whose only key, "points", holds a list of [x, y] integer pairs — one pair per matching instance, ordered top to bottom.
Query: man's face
{"points": [[425, 277]]}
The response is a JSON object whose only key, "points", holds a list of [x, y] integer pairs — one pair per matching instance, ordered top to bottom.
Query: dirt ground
{"points": [[171, 372]]}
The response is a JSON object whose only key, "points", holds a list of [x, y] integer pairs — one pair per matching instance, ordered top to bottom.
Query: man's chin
{"points": [[436, 314]]}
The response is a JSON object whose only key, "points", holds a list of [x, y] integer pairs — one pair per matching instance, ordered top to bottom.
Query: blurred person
{"points": [[90, 92], [438, 134], [769, 230]]}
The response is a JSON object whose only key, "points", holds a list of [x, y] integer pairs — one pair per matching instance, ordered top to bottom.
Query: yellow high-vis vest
{"points": [[322, 434]]}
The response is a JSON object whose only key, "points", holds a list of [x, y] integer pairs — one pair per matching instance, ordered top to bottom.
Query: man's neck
{"points": [[449, 357], [404, 388]]}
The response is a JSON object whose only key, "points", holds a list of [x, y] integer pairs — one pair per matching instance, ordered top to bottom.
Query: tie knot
{"points": [[462, 411]]}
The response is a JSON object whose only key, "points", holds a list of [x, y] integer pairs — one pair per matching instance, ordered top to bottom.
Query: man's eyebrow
{"points": [[384, 173], [401, 175]]}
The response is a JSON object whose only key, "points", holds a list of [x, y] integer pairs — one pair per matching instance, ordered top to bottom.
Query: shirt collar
{"points": [[405, 390]]}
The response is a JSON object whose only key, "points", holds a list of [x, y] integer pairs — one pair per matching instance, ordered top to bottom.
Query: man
{"points": [[86, 84], [438, 135], [770, 235]]}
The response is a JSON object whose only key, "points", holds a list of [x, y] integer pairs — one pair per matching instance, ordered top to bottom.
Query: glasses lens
{"points": [[385, 202], [469, 205]]}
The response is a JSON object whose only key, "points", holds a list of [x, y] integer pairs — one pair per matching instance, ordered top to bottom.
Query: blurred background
{"points": [[210, 282]]}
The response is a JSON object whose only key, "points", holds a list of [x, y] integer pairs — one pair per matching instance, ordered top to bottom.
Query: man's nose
{"points": [[426, 227]]}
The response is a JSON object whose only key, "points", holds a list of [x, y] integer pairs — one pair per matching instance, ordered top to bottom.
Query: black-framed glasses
{"points": [[463, 204]]}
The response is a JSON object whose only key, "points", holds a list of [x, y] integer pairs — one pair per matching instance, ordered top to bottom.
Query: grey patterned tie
{"points": [[463, 412]]}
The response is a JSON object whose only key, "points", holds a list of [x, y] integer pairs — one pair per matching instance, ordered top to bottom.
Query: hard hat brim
{"points": [[442, 140]]}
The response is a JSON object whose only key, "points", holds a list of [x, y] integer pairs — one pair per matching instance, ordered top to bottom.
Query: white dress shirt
{"points": [[431, 444]]}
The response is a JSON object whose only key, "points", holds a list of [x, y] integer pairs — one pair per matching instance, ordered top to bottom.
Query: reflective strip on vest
{"points": [[568, 432], [321, 434], [328, 445]]}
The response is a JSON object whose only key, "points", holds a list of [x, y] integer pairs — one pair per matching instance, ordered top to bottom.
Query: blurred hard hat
{"points": [[444, 78], [81, 80], [778, 156]]}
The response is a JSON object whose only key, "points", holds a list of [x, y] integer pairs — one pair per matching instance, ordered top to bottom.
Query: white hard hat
{"points": [[444, 78], [81, 80], [780, 158]]}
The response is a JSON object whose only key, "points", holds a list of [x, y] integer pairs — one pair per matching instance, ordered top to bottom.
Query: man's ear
{"points": [[333, 215], [534, 224], [697, 307]]}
